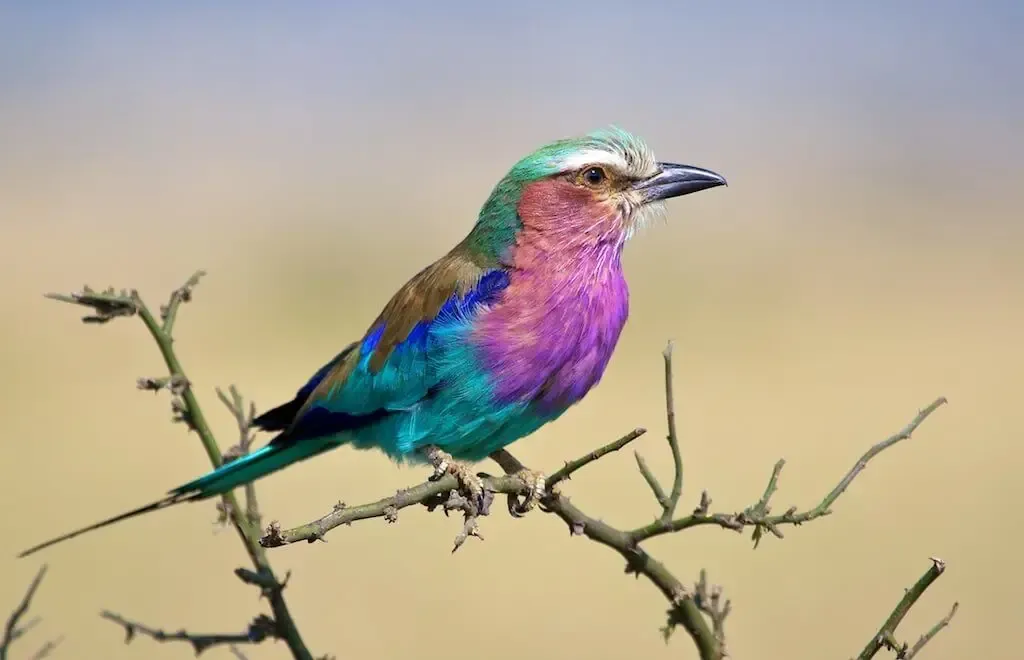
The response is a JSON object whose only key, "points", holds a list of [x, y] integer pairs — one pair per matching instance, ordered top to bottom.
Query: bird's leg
{"points": [[443, 464], [534, 482], [537, 483]]}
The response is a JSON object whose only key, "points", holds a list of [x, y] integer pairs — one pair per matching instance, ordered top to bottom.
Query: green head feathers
{"points": [[612, 146], [611, 163]]}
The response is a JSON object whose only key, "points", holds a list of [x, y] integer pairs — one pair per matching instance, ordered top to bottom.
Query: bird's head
{"points": [[598, 188]]}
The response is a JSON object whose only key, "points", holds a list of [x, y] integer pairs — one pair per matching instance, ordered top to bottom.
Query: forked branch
{"points": [[110, 304], [701, 610], [16, 628], [261, 628], [886, 635]]}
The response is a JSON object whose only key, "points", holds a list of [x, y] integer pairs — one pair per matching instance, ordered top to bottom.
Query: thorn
{"points": [[705, 504]]}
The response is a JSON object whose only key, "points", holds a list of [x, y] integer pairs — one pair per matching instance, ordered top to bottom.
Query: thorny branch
{"points": [[110, 304], [246, 436], [700, 609], [15, 628], [259, 629], [886, 635]]}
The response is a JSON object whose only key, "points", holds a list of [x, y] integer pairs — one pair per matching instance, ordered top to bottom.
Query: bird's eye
{"points": [[594, 176]]}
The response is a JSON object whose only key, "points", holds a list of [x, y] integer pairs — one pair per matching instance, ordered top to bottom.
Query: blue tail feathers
{"points": [[249, 468]]}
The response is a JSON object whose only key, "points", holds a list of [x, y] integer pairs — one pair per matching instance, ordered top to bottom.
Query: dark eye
{"points": [[594, 176]]}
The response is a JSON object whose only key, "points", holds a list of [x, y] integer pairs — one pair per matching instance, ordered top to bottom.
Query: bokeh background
{"points": [[865, 259]]}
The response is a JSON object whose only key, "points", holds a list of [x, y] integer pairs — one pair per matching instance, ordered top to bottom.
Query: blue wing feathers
{"points": [[491, 284], [408, 375], [366, 397], [281, 417]]}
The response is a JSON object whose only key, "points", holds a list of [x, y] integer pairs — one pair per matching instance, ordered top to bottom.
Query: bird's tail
{"points": [[265, 460], [249, 468], [170, 500]]}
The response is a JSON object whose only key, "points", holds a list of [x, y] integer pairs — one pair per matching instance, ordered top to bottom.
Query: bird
{"points": [[495, 339]]}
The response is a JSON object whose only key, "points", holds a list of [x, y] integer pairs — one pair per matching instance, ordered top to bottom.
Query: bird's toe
{"points": [[470, 483], [536, 485]]}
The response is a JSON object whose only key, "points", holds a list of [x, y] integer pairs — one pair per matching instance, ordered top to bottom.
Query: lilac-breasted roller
{"points": [[501, 335]]}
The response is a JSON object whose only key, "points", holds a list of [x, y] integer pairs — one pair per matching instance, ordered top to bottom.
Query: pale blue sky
{"points": [[164, 89]]}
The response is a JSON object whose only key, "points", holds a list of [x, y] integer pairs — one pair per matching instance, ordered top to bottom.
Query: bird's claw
{"points": [[536, 482], [469, 483]]}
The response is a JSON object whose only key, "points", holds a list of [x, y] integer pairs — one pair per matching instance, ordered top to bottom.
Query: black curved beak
{"points": [[676, 180]]}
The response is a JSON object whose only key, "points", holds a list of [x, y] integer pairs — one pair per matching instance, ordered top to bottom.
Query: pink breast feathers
{"points": [[552, 335]]}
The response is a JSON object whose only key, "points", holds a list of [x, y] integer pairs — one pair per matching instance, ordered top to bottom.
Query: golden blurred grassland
{"points": [[795, 340]]}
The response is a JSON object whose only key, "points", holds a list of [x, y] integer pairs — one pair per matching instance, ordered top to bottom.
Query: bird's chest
{"points": [[550, 338]]}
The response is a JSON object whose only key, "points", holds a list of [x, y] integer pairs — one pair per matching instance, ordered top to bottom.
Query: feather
{"points": [[388, 370], [281, 417]]}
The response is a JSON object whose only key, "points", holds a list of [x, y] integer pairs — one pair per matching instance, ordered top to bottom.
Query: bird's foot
{"points": [[536, 482], [469, 483]]}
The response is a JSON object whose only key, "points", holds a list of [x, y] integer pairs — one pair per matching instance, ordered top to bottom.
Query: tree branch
{"points": [[110, 304], [243, 418], [673, 439], [572, 466], [442, 493], [756, 516], [684, 607], [700, 610], [261, 628], [13, 631], [932, 632], [886, 635], [237, 652]]}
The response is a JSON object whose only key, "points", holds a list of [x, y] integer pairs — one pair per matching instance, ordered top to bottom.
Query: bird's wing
{"points": [[390, 369]]}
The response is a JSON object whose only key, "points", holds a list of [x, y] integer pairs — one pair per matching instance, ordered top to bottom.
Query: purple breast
{"points": [[551, 337]]}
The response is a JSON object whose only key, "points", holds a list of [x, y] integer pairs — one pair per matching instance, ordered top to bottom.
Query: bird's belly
{"points": [[468, 425]]}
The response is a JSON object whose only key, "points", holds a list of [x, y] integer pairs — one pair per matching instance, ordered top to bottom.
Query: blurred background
{"points": [[865, 259]]}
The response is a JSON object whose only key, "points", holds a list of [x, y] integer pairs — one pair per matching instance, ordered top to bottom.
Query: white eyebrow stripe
{"points": [[593, 157]]}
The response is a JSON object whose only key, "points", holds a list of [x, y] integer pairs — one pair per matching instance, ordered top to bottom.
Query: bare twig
{"points": [[183, 294], [110, 304], [107, 305], [243, 418], [673, 439], [572, 466], [652, 481], [442, 493], [432, 494], [670, 501], [756, 515], [708, 599], [684, 609], [261, 628], [15, 629], [932, 632], [886, 635], [46, 649]]}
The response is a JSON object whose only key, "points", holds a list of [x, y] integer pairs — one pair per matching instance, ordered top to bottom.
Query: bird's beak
{"points": [[675, 180]]}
